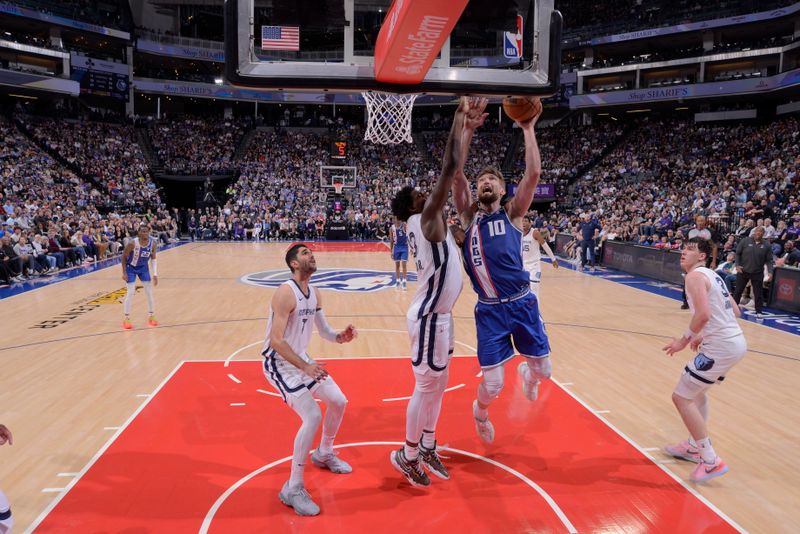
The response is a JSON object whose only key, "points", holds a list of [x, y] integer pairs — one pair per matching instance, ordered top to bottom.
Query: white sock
{"points": [[148, 290], [126, 304], [335, 403], [309, 412], [480, 413], [428, 439], [692, 442], [707, 451], [411, 452]]}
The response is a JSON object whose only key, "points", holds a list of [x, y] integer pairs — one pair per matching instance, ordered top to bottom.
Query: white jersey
{"points": [[531, 255], [439, 276], [301, 321], [722, 324]]}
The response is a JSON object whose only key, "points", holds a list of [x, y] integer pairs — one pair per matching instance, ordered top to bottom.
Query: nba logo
{"points": [[512, 42]]}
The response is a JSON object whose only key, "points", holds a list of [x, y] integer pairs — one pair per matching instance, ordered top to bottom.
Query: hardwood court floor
{"points": [[66, 388]]}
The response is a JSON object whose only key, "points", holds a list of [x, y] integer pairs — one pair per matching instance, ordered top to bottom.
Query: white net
{"points": [[388, 117]]}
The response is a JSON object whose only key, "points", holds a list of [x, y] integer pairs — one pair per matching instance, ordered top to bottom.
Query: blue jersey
{"points": [[400, 235], [140, 254], [493, 256]]}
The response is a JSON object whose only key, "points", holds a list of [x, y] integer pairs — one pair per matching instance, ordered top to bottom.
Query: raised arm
{"points": [[462, 196], [518, 206], [433, 226]]}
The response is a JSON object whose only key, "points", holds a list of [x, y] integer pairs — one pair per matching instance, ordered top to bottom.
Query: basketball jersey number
{"points": [[497, 228], [526, 247], [722, 287]]}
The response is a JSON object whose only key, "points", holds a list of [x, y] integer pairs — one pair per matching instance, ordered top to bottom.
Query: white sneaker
{"points": [[529, 389], [484, 427], [330, 462], [299, 499]]}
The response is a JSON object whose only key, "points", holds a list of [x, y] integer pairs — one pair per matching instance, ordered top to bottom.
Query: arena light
{"points": [[218, 81], [23, 96], [681, 108], [638, 110], [602, 114]]}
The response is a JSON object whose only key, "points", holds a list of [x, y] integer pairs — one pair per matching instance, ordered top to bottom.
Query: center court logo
{"points": [[358, 280]]}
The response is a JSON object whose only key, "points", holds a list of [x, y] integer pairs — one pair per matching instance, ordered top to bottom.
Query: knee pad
{"points": [[541, 368], [492, 384]]}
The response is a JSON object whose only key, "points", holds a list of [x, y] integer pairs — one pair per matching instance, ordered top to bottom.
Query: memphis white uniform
{"points": [[532, 260], [439, 283], [723, 341], [285, 377]]}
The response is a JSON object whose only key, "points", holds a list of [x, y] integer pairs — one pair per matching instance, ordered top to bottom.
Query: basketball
{"points": [[522, 108]]}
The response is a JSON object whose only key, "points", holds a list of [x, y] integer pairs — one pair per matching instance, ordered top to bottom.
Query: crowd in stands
{"points": [[193, 145], [105, 152], [643, 182], [650, 189], [50, 221]]}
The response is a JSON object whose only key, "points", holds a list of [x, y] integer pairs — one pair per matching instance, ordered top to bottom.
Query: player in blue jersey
{"points": [[398, 241], [135, 258], [507, 310]]}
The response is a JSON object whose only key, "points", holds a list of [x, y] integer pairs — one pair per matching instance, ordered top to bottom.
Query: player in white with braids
{"points": [[532, 244], [295, 309], [429, 318], [715, 333]]}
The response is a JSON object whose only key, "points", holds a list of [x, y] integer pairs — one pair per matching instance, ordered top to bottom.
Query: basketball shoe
{"points": [[152, 321], [126, 324], [530, 389], [484, 427], [684, 451], [431, 459], [331, 462], [411, 469], [705, 472], [299, 499]]}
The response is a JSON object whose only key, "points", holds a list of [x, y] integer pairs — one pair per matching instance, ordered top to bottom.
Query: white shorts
{"points": [[432, 342], [710, 365], [287, 379]]}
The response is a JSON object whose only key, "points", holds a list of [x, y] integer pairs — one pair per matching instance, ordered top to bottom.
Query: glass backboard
{"points": [[497, 47]]}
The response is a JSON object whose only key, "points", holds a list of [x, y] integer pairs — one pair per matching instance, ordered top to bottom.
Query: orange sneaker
{"points": [[152, 321], [126, 324]]}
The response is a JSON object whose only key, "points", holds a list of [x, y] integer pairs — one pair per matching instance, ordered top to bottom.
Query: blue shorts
{"points": [[400, 253], [142, 272], [498, 324]]}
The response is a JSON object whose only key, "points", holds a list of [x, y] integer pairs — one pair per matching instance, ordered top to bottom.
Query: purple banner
{"points": [[545, 191]]}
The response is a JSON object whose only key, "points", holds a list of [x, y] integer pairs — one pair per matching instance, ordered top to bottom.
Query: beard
{"points": [[488, 197]]}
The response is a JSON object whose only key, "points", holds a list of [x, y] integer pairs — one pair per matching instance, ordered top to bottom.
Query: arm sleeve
{"points": [[325, 330]]}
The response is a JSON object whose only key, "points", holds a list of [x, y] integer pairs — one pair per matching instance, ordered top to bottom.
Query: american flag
{"points": [[280, 37]]}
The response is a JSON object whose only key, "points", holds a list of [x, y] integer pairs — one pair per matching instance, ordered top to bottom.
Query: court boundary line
{"points": [[111, 262], [635, 445], [49, 508], [212, 512]]}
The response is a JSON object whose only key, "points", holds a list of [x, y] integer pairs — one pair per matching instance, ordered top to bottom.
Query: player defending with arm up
{"points": [[295, 309], [507, 309], [429, 318]]}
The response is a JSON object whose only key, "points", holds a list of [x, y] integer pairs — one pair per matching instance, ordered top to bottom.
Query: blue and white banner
{"points": [[61, 21], [698, 26], [174, 50], [40, 83], [680, 92]]}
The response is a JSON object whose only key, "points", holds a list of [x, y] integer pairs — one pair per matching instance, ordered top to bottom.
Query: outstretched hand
{"points": [[473, 107], [347, 335], [676, 345]]}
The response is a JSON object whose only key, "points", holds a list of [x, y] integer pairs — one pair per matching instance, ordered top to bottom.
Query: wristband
{"points": [[689, 335]]}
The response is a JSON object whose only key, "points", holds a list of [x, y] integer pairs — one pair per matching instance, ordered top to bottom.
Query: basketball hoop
{"points": [[388, 117], [338, 187]]}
